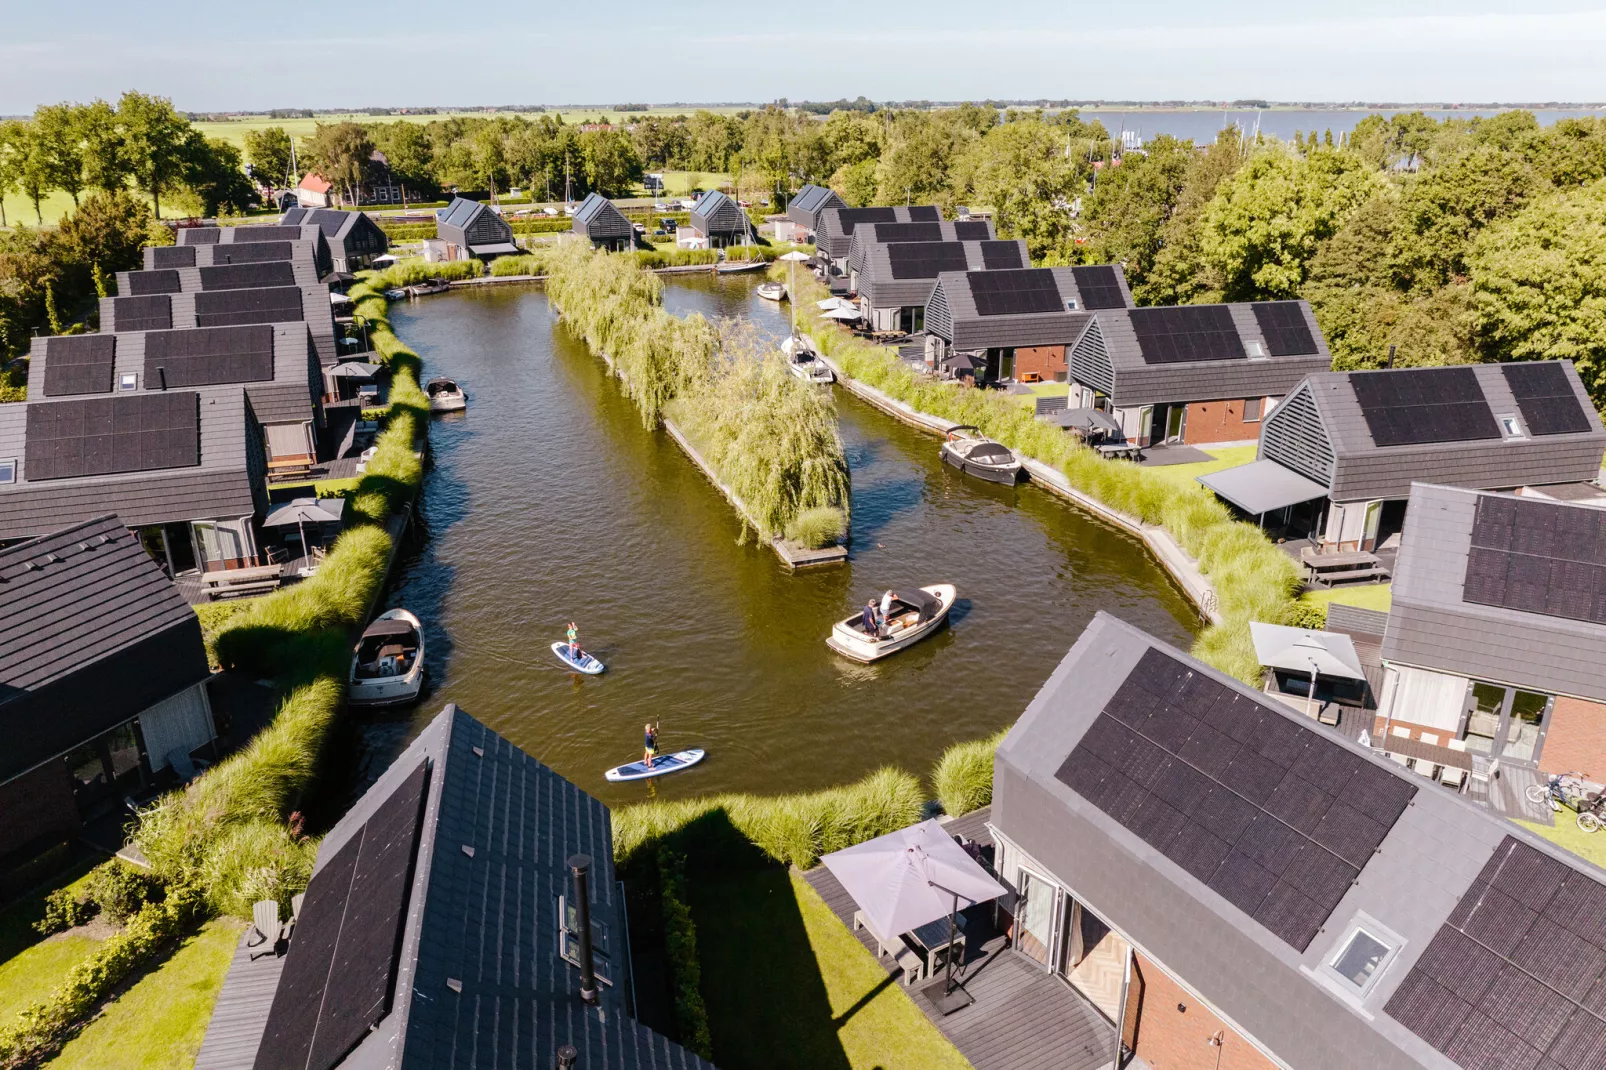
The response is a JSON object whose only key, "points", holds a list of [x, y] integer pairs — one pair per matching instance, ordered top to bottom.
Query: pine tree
{"points": [[51, 315]]}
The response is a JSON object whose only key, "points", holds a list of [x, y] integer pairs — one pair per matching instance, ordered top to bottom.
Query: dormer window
{"points": [[1071, 304]]}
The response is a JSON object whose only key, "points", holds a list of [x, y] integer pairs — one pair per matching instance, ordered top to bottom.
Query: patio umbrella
{"points": [[384, 258], [339, 299], [833, 302], [844, 312], [960, 362], [354, 369], [303, 511], [1304, 651], [910, 878]]}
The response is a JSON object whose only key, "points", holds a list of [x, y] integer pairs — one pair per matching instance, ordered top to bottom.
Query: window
{"points": [[1070, 303], [1255, 350], [128, 381], [1252, 410], [1511, 426], [8, 471], [569, 941], [1359, 958]]}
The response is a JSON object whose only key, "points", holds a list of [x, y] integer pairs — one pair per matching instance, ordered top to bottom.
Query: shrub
{"points": [[408, 231], [674, 257], [528, 264], [416, 269], [822, 525], [1302, 614], [964, 775], [257, 860], [121, 890], [65, 910], [680, 943]]}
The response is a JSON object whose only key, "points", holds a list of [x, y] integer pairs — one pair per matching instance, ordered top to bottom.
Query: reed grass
{"points": [[528, 264], [818, 526], [963, 777]]}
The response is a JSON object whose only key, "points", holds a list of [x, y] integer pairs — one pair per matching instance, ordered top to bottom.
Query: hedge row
{"points": [[680, 943]]}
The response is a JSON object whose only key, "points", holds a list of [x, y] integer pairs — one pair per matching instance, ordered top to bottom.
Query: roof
{"points": [[313, 182], [809, 202], [716, 213], [598, 219], [471, 223], [835, 225], [348, 232], [865, 237], [897, 275], [952, 312], [1322, 430], [1261, 487], [1436, 622], [92, 633], [494, 831], [1226, 836]]}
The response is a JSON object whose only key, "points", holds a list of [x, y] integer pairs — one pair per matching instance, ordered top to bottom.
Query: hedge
{"points": [[680, 943]]}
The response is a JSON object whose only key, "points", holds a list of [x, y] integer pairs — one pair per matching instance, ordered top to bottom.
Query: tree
{"points": [[58, 134], [12, 137], [155, 137], [850, 137], [661, 140], [715, 141], [407, 148], [269, 152], [341, 152], [487, 157], [106, 164], [914, 164], [612, 166], [33, 167], [1021, 171], [214, 178], [856, 183], [1131, 203], [1444, 208], [1180, 274]]}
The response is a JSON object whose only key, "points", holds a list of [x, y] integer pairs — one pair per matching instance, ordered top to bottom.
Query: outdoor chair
{"points": [[1423, 766], [1454, 776], [295, 915], [266, 928]]}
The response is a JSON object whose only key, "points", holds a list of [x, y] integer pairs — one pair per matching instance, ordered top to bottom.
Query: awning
{"points": [[498, 249], [1086, 419], [1262, 487], [1301, 650]]}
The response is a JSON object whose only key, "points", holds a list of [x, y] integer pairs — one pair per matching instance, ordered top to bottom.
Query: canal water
{"points": [[548, 501]]}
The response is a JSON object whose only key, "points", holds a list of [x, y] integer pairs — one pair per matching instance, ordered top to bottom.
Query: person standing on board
{"points": [[886, 607], [574, 642], [651, 733]]}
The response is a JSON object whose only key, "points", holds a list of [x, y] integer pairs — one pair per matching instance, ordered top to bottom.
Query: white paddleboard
{"points": [[587, 664], [664, 763]]}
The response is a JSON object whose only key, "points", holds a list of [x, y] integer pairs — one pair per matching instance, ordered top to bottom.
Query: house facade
{"points": [[803, 213], [716, 221], [602, 224], [473, 230]]}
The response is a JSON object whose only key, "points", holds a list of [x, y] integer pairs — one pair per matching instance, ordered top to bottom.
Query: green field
{"points": [[234, 130]]}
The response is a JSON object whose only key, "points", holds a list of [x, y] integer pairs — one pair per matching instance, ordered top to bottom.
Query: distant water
{"points": [[1202, 125]]}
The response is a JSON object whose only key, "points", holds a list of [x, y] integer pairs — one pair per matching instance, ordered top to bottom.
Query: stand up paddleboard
{"points": [[586, 663], [667, 763]]}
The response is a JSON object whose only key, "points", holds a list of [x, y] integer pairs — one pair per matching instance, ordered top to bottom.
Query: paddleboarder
{"points": [[574, 641], [651, 751]]}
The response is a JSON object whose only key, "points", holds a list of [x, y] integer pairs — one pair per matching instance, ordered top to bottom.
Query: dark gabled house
{"points": [[803, 213], [716, 221], [602, 224], [473, 229], [870, 235], [833, 237], [354, 238], [251, 243], [894, 279], [227, 308], [988, 317], [1194, 374], [1352, 443], [1496, 637], [102, 678], [1232, 885], [440, 929]]}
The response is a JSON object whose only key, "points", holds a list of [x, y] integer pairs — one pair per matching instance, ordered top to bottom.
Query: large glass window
{"points": [[1483, 721], [1527, 721], [1506, 723], [1034, 916], [1359, 959]]}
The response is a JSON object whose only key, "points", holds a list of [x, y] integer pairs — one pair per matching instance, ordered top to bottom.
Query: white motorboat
{"points": [[772, 291], [803, 362], [445, 395], [968, 450], [915, 614], [387, 667]]}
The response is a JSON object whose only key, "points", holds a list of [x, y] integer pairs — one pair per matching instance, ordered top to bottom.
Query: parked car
{"points": [[659, 206], [550, 209], [668, 224]]}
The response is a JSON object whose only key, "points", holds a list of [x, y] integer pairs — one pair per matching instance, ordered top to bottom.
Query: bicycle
{"points": [[1567, 790]]}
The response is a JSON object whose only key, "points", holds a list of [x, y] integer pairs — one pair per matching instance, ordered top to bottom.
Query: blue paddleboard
{"points": [[586, 663], [668, 763]]}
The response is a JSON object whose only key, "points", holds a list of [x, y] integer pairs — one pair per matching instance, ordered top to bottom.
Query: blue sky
{"points": [[214, 57]]}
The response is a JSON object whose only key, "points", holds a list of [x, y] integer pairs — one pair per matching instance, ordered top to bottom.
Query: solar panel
{"points": [[924, 213], [852, 217], [973, 230], [908, 232], [266, 233], [199, 235], [253, 252], [1000, 255], [173, 256], [925, 259], [244, 276], [164, 281], [1099, 286], [1022, 291], [223, 308], [152, 313], [1282, 324], [1186, 333], [208, 356], [80, 364], [1546, 397], [1421, 405], [119, 433], [1537, 557], [1280, 839], [1508, 983]]}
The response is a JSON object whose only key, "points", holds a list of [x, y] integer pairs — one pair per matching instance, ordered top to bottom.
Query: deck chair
{"points": [[1423, 766], [1454, 777], [295, 915], [266, 928]]}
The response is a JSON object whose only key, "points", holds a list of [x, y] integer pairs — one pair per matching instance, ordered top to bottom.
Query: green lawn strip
{"points": [[1187, 475], [1378, 596], [1590, 846], [30, 977], [787, 985], [159, 1022]]}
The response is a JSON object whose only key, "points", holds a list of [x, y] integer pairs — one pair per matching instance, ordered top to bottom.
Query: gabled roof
{"points": [[313, 182], [809, 202], [715, 213], [599, 219], [835, 225], [347, 231], [868, 236], [900, 274], [953, 314], [1455, 594], [92, 633], [1227, 837], [469, 932]]}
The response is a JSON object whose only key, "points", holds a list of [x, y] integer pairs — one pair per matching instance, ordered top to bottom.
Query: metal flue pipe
{"points": [[580, 867], [567, 1054]]}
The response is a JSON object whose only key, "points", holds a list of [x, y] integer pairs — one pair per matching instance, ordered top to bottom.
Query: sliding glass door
{"points": [[1035, 916]]}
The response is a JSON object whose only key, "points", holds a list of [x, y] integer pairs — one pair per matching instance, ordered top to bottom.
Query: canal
{"points": [[548, 501]]}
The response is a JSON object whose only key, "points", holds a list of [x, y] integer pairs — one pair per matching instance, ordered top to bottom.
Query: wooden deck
{"points": [[241, 1014], [1024, 1018]]}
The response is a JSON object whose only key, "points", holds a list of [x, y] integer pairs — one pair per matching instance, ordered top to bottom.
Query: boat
{"points": [[738, 267], [428, 286], [772, 291], [396, 294], [803, 362], [445, 395], [969, 451], [915, 614], [585, 663], [387, 667], [663, 764]]}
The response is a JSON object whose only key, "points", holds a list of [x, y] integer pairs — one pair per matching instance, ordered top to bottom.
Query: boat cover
{"points": [[442, 382], [992, 453], [928, 604], [393, 626]]}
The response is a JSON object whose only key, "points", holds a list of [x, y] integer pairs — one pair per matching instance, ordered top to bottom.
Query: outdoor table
{"points": [[1119, 449], [1351, 564], [1428, 752], [931, 941]]}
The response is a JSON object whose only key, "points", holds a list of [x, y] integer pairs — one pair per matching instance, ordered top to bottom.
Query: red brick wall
{"points": [[1046, 361], [1219, 421], [1576, 739], [36, 805], [1169, 1039]]}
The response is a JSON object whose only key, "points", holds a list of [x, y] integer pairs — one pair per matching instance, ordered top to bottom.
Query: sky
{"points": [[235, 57]]}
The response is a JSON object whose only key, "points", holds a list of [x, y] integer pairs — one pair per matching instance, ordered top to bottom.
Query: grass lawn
{"points": [[1225, 457], [1378, 596], [1590, 846], [30, 965], [788, 986], [158, 1024]]}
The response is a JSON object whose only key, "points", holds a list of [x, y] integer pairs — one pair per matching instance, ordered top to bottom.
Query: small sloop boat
{"points": [[737, 267], [772, 291], [803, 362], [445, 395], [968, 450], [915, 615], [387, 667], [667, 763]]}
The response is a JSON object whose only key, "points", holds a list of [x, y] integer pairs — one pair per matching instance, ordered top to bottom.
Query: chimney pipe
{"points": [[1390, 364], [580, 866], [567, 1054]]}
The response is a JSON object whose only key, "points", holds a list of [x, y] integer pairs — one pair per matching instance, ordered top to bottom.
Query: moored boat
{"points": [[737, 267], [428, 286], [772, 291], [803, 362], [445, 395], [968, 450], [915, 615], [387, 667]]}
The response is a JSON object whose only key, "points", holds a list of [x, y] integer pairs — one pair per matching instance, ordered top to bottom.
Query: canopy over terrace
{"points": [[1262, 487]]}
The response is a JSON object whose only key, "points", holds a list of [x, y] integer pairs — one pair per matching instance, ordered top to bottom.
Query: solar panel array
{"points": [[924, 213], [852, 217], [973, 230], [907, 232], [269, 233], [200, 235], [253, 252], [999, 255], [173, 256], [925, 259], [247, 276], [162, 281], [1099, 286], [1008, 293], [223, 308], [152, 313], [1283, 326], [1186, 333], [208, 357], [80, 364], [1546, 397], [1419, 405], [118, 433], [1538, 557], [1274, 817], [340, 973], [1515, 978]]}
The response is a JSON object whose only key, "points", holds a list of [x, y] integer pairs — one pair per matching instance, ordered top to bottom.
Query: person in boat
{"points": [[886, 606], [871, 627], [651, 750]]}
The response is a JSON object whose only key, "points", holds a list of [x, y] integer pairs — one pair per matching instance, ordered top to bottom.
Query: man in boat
{"points": [[886, 607], [872, 629], [652, 745]]}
